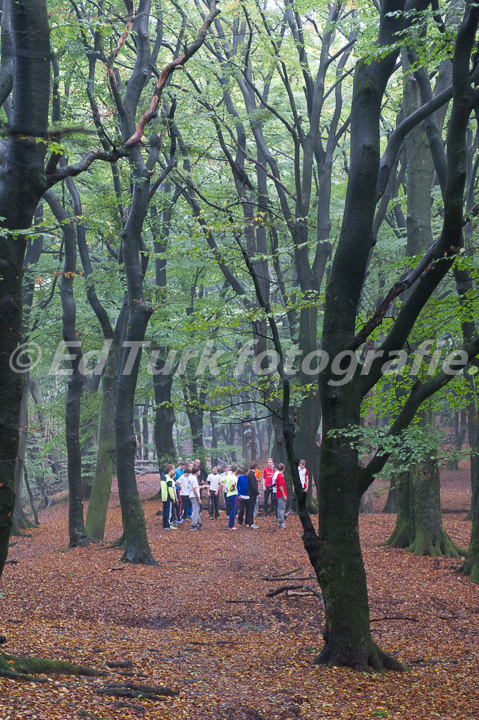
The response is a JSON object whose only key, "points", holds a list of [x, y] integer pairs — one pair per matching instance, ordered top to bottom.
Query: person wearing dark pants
{"points": [[268, 473], [304, 479], [213, 481], [229, 483], [253, 493], [167, 496], [243, 497], [233, 504]]}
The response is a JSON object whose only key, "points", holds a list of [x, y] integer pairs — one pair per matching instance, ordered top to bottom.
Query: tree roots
{"points": [[368, 658], [25, 668]]}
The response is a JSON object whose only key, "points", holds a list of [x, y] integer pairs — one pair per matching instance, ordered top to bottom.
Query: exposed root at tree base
{"points": [[400, 537], [120, 543], [436, 547], [138, 556], [470, 568], [372, 659], [24, 668]]}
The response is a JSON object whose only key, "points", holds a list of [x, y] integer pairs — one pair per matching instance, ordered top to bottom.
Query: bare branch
{"points": [[168, 70]]}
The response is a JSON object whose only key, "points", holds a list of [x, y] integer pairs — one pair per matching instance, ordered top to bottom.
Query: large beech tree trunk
{"points": [[22, 183], [76, 381], [164, 414], [105, 461], [20, 519], [419, 527], [427, 535], [430, 536], [136, 544], [335, 553], [339, 566]]}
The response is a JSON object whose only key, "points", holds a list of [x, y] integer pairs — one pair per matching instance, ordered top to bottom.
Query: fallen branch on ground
{"points": [[281, 575], [280, 579], [285, 588], [393, 617], [149, 692]]}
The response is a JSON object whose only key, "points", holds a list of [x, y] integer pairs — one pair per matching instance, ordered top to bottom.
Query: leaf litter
{"points": [[200, 624]]}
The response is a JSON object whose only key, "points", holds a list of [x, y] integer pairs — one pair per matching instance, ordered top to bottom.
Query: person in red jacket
{"points": [[268, 473], [281, 495]]}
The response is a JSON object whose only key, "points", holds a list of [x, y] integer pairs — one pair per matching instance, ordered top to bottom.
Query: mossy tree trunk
{"points": [[105, 461], [419, 527], [403, 533], [430, 536], [334, 551], [336, 554], [339, 565], [470, 566]]}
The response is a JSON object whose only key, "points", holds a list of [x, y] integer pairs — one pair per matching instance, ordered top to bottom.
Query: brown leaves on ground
{"points": [[173, 626]]}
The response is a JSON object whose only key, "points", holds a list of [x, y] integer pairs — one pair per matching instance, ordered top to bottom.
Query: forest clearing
{"points": [[237, 233], [201, 623]]}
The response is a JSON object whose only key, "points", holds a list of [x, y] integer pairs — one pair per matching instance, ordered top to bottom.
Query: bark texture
{"points": [[22, 183]]}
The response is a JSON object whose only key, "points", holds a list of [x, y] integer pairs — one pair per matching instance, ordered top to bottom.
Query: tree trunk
{"points": [[22, 183], [75, 385], [164, 411], [195, 417], [145, 431], [214, 440], [105, 463], [42, 487], [391, 504], [20, 519], [419, 527], [403, 533], [430, 536], [137, 549], [337, 559], [471, 563], [340, 571]]}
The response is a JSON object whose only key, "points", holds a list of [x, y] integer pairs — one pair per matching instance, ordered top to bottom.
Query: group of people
{"points": [[181, 492]]}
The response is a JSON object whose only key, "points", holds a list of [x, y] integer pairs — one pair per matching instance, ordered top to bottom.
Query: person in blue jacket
{"points": [[243, 497]]}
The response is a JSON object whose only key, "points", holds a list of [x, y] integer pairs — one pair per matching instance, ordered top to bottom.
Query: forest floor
{"points": [[250, 659]]}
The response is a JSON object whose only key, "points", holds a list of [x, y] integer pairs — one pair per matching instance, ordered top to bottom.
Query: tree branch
{"points": [[177, 64]]}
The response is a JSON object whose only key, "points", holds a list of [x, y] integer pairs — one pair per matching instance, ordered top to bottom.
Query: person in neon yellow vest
{"points": [[230, 482]]}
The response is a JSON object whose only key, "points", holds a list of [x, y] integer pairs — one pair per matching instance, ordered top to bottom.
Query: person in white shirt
{"points": [[304, 478], [184, 481], [213, 481], [195, 500]]}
